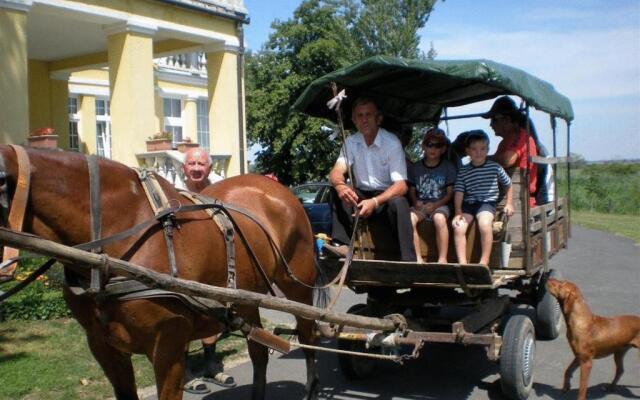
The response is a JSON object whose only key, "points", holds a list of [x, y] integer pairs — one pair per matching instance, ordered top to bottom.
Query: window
{"points": [[172, 110], [74, 118], [203, 123], [103, 127]]}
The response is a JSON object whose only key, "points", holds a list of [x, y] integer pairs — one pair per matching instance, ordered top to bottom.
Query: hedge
{"points": [[41, 299]]}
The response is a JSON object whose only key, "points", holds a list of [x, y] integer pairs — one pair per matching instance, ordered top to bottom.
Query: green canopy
{"points": [[416, 91]]}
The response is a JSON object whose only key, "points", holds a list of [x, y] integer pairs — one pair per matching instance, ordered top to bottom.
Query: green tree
{"points": [[391, 27], [321, 36]]}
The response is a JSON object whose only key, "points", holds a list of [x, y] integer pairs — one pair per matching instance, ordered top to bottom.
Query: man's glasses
{"points": [[432, 145]]}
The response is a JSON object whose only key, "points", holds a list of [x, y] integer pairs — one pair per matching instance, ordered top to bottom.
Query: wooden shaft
{"points": [[154, 279]]}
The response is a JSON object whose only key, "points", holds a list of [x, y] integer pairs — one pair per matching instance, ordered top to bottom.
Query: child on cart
{"points": [[430, 191], [476, 195]]}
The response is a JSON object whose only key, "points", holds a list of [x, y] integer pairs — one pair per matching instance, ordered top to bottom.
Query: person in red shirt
{"points": [[507, 123]]}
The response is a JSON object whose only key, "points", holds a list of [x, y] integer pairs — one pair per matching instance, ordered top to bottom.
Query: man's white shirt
{"points": [[378, 166]]}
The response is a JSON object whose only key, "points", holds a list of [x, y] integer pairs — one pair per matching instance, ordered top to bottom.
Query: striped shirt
{"points": [[480, 184]]}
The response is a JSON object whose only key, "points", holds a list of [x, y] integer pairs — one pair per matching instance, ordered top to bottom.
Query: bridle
{"points": [[18, 205]]}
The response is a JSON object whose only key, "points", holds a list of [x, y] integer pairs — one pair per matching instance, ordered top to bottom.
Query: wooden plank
{"points": [[535, 227], [87, 260], [398, 273]]}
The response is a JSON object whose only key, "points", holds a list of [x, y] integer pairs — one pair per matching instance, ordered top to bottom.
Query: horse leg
{"points": [[306, 335], [258, 353], [167, 355], [116, 365]]}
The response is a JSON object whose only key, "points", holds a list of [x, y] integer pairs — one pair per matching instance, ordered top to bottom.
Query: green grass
{"points": [[623, 225], [49, 360]]}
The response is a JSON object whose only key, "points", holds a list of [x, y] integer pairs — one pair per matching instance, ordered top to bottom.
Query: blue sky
{"points": [[588, 49]]}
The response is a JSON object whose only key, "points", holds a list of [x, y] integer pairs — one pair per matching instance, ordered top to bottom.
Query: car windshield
{"points": [[307, 193]]}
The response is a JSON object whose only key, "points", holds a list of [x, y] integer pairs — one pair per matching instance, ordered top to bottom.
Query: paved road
{"points": [[606, 268]]}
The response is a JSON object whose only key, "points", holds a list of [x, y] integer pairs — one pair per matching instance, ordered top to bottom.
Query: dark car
{"points": [[315, 199]]}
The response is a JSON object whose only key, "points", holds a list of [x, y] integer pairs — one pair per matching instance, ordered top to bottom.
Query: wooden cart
{"points": [[469, 304]]}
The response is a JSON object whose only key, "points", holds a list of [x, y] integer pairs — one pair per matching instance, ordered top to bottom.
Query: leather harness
{"points": [[101, 286]]}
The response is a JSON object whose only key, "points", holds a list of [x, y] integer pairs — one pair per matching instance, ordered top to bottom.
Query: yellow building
{"points": [[108, 74]]}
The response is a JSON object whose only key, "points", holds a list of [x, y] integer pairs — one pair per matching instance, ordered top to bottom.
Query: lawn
{"points": [[622, 225], [51, 360]]}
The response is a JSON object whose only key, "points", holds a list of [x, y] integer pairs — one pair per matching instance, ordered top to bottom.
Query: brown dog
{"points": [[591, 336]]}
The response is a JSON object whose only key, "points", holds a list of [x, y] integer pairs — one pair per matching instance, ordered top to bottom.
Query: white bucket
{"points": [[505, 253]]}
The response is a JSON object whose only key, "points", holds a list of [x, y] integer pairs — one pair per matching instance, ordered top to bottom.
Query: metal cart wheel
{"points": [[548, 313], [517, 357], [355, 367]]}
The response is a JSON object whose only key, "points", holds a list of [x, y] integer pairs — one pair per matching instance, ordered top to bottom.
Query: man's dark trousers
{"points": [[394, 214]]}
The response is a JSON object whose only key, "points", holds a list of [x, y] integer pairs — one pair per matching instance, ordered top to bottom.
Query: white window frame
{"points": [[74, 120], [170, 123], [202, 123], [103, 147]]}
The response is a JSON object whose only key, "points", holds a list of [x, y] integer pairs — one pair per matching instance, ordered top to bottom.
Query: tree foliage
{"points": [[321, 36]]}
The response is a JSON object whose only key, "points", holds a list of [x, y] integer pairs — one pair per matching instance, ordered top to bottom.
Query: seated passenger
{"points": [[507, 122], [380, 174], [430, 190], [476, 193]]}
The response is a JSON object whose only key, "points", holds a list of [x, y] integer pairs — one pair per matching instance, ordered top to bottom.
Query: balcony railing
{"points": [[189, 62], [168, 164]]}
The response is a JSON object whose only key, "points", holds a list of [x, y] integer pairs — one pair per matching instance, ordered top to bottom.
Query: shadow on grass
{"points": [[12, 357]]}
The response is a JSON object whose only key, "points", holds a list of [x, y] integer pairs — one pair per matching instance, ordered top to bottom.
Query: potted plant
{"points": [[44, 138], [160, 141], [186, 144]]}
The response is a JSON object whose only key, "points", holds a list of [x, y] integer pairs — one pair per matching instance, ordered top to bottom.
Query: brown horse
{"points": [[59, 210]]}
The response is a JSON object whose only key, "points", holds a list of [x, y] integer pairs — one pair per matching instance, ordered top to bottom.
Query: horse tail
{"points": [[321, 294]]}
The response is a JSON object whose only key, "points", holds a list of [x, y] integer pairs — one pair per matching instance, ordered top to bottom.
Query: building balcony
{"points": [[186, 63]]}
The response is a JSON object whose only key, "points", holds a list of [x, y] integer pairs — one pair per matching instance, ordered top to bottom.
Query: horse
{"points": [[59, 209]]}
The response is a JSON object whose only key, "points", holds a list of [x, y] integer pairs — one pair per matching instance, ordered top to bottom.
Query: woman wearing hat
{"points": [[506, 122]]}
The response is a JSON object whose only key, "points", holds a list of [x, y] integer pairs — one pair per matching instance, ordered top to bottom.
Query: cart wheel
{"points": [[549, 316], [517, 357], [355, 367]]}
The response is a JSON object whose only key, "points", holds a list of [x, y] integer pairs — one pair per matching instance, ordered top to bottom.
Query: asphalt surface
{"points": [[605, 267]]}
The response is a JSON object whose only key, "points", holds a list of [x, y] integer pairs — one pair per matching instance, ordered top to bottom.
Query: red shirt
{"points": [[518, 145]]}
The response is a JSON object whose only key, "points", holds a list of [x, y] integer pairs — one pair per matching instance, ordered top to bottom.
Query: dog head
{"points": [[566, 292]]}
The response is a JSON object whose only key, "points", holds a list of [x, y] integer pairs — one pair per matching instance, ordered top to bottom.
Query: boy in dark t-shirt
{"points": [[430, 190], [476, 195]]}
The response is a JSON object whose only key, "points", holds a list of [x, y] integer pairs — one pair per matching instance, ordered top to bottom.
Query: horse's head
{"points": [[7, 182], [39, 190]]}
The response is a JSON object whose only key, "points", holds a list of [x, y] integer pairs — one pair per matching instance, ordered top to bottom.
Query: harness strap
{"points": [[94, 198], [159, 202], [18, 210], [95, 214], [226, 227], [273, 288]]}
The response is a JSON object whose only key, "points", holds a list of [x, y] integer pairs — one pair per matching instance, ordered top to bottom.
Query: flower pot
{"points": [[43, 141], [159, 144], [184, 146]]}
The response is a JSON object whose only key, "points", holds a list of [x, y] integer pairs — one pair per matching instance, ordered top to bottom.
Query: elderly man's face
{"points": [[366, 118], [197, 165]]}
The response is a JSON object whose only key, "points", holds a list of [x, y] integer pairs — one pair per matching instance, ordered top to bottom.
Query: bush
{"points": [[605, 188], [41, 299]]}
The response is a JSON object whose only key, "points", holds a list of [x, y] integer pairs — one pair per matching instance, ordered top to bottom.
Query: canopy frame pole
{"points": [[554, 167], [569, 175], [525, 202]]}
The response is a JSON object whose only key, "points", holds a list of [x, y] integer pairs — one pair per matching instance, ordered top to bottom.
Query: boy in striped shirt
{"points": [[476, 194]]}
